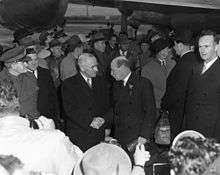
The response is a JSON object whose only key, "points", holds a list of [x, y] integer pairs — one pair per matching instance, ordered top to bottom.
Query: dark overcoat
{"points": [[174, 97], [203, 101], [47, 102], [81, 104], [134, 107]]}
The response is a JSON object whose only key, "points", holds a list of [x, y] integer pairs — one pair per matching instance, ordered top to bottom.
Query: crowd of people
{"points": [[70, 93]]}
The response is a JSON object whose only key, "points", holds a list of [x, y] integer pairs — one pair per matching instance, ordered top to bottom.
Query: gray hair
{"points": [[84, 57], [121, 60]]}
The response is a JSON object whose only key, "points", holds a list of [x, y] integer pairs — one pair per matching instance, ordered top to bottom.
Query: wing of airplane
{"points": [[162, 6], [195, 14]]}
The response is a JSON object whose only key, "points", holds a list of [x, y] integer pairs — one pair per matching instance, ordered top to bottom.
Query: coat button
{"points": [[130, 102]]}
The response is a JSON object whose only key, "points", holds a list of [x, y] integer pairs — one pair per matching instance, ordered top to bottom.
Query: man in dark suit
{"points": [[203, 95], [174, 97], [47, 101], [86, 101], [134, 104]]}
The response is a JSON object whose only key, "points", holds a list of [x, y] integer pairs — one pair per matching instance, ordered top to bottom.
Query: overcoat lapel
{"points": [[214, 68], [82, 83], [126, 92]]}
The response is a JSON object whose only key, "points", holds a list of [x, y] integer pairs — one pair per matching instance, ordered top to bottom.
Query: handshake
{"points": [[97, 122]]}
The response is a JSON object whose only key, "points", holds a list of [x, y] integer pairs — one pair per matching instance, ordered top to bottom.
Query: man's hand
{"points": [[97, 122], [142, 140], [140, 155]]}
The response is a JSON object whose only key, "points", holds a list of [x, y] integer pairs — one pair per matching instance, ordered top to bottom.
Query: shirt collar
{"points": [[207, 65], [84, 77], [126, 79]]}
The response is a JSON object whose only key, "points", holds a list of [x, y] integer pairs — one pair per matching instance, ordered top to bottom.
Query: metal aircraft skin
{"points": [[162, 6], [195, 14]]}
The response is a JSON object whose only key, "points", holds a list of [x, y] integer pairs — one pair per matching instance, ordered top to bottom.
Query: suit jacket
{"points": [[47, 97], [174, 97], [203, 101], [81, 104], [134, 107]]}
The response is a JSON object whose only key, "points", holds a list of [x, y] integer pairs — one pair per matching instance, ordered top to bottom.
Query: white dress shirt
{"points": [[206, 66], [126, 79], [88, 80]]}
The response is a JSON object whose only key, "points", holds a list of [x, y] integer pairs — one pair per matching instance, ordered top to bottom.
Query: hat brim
{"points": [[44, 54], [187, 133], [77, 169]]}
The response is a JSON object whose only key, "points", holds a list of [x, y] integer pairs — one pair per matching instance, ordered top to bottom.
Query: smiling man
{"points": [[203, 95], [86, 101]]}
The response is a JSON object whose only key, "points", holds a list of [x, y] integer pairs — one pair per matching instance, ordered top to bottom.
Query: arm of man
{"points": [[149, 107], [81, 117]]}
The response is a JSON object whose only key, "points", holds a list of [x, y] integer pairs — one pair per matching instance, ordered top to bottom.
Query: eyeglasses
{"points": [[93, 67]]}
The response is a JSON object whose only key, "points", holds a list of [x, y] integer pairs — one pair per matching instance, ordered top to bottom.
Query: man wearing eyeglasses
{"points": [[86, 103]]}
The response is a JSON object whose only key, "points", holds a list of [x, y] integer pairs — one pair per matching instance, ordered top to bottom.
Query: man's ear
{"points": [[217, 47]]}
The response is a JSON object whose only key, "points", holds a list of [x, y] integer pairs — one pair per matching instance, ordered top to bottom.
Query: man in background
{"points": [[203, 98]]}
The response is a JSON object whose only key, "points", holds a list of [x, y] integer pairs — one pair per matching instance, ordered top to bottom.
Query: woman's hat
{"points": [[187, 133], [104, 159]]}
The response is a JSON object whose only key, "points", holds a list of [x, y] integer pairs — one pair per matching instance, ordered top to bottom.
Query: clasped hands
{"points": [[97, 122]]}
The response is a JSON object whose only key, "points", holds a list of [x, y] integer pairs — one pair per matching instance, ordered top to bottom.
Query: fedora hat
{"points": [[153, 35], [98, 36], [185, 36], [123, 39], [73, 42], [54, 43], [159, 45], [43, 53], [13, 55], [187, 133], [105, 159]]}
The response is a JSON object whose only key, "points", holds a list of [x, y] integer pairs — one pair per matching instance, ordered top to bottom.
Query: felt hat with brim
{"points": [[21, 33], [59, 34], [43, 36], [98, 36], [152, 36], [184, 36], [123, 40], [54, 43], [159, 45], [43, 54], [13, 55], [187, 133], [104, 159]]}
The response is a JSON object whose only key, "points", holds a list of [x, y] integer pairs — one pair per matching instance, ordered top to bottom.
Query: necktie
{"points": [[204, 69], [89, 82], [124, 83]]}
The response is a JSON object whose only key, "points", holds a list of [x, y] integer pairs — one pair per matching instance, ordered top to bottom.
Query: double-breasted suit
{"points": [[203, 101], [81, 104], [134, 109]]}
